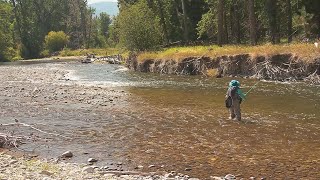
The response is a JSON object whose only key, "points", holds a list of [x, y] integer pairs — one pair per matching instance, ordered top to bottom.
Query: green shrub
{"points": [[56, 41], [66, 52], [45, 53]]}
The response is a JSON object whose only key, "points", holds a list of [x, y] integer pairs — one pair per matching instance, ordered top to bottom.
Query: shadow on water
{"points": [[180, 123]]}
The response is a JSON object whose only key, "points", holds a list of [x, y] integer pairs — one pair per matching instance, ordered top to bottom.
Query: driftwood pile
{"points": [[114, 59]]}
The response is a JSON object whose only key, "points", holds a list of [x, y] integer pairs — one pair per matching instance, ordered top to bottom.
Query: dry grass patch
{"points": [[307, 52], [212, 72]]}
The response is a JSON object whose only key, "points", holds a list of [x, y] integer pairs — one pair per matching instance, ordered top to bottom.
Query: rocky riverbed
{"points": [[31, 92], [156, 126], [16, 168]]}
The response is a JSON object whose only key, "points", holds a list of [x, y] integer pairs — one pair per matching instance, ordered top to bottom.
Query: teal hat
{"points": [[234, 83]]}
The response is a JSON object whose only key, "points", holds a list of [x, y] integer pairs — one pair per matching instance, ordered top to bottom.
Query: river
{"points": [[180, 123]]}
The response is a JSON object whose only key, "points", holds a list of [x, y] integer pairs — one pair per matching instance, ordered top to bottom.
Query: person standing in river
{"points": [[234, 97]]}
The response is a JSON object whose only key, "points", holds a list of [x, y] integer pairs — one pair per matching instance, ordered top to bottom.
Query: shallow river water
{"points": [[180, 123]]}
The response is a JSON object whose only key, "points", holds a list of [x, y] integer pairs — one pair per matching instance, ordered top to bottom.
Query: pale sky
{"points": [[95, 1]]}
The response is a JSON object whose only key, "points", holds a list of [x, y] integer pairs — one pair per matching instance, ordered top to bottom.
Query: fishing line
{"points": [[253, 87]]}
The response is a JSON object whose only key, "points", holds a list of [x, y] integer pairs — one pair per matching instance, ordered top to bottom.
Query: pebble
{"points": [[67, 154], [92, 160], [13, 161], [151, 166], [139, 167], [88, 169], [188, 169], [46, 173], [109, 175], [169, 175], [125, 177], [230, 177], [46, 178], [217, 178]]}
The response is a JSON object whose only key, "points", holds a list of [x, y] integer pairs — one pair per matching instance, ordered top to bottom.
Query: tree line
{"points": [[231, 21], [26, 23], [153, 24]]}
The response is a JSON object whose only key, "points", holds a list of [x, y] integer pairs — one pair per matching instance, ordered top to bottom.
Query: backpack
{"points": [[231, 93], [228, 102]]}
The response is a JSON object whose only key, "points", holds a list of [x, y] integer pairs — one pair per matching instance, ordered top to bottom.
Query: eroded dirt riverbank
{"points": [[278, 67]]}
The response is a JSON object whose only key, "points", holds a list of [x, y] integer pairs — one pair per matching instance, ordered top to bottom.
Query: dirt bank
{"points": [[280, 67]]}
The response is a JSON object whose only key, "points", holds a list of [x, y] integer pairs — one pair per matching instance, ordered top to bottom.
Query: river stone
{"points": [[67, 154], [92, 160], [13, 161], [151, 166], [139, 167], [88, 169], [188, 169], [46, 173], [169, 175], [109, 176], [125, 177], [230, 177], [46, 178], [217, 178]]}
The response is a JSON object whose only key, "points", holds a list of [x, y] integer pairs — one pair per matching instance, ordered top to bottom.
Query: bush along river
{"points": [[132, 121]]}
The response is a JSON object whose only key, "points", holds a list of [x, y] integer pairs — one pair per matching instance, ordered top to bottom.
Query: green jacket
{"points": [[239, 91]]}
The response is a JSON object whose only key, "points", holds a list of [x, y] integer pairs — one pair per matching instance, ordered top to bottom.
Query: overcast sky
{"points": [[94, 1]]}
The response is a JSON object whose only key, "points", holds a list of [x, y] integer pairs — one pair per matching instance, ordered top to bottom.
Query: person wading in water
{"points": [[233, 100]]}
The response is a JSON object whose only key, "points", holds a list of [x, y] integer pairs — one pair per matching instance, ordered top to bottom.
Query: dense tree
{"points": [[271, 8], [289, 15], [185, 21], [220, 22], [104, 23], [252, 23], [147, 24], [138, 30], [6, 32]]}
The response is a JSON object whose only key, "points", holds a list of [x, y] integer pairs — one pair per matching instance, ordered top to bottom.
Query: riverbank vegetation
{"points": [[148, 25], [306, 52]]}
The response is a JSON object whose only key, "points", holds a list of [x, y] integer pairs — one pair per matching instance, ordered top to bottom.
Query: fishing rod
{"points": [[252, 87]]}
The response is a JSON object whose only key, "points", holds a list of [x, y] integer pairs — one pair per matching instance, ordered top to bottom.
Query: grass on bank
{"points": [[307, 52]]}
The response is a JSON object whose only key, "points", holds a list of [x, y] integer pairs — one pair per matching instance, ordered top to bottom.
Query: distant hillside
{"points": [[110, 8]]}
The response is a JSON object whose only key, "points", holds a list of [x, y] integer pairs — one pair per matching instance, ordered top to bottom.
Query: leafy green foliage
{"points": [[104, 22], [148, 24], [207, 26], [139, 28], [56, 41], [6, 43]]}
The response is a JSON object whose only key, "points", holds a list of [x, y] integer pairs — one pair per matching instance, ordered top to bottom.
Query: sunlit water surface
{"points": [[180, 123]]}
